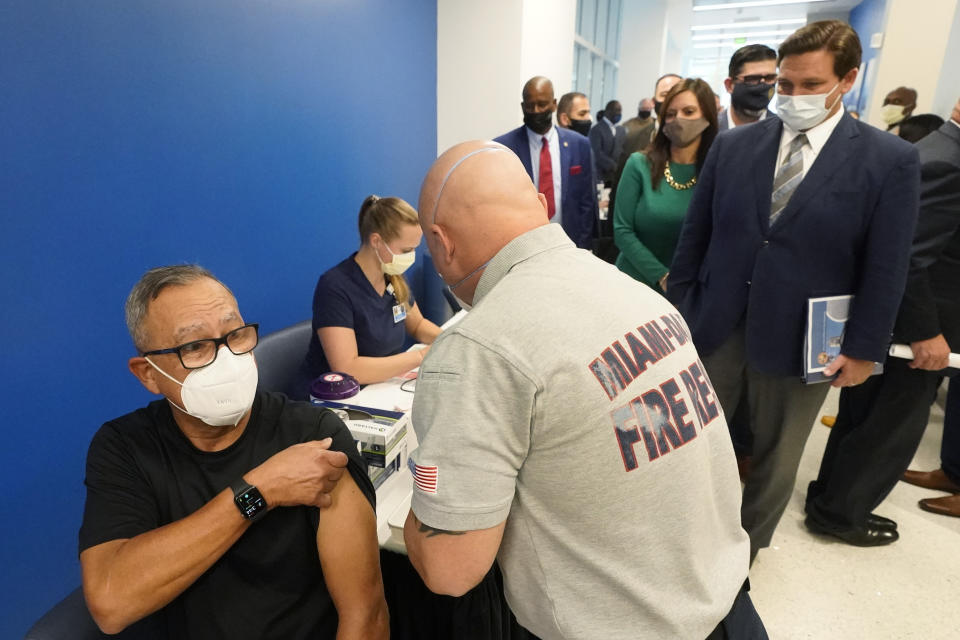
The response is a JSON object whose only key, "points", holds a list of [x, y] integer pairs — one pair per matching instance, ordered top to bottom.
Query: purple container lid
{"points": [[334, 385]]}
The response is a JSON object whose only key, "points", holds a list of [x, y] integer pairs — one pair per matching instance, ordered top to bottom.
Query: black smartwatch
{"points": [[248, 499]]}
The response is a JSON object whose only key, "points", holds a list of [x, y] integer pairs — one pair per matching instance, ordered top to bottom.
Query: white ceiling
{"points": [[715, 33]]}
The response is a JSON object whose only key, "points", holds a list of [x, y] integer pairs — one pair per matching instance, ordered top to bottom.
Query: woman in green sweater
{"points": [[657, 185]]}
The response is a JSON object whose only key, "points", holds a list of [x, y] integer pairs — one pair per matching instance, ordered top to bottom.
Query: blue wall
{"points": [[867, 18], [241, 134]]}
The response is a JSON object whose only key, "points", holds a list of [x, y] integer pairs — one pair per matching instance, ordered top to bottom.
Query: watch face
{"points": [[250, 502]]}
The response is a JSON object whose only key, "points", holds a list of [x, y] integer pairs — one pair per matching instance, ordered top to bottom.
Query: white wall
{"points": [[546, 43], [914, 45], [678, 48], [641, 50], [486, 51], [478, 75], [948, 86]]}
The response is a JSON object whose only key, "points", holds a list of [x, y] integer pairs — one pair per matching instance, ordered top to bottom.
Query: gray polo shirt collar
{"points": [[521, 248]]}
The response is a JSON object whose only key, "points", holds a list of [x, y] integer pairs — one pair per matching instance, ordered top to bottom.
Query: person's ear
{"points": [[846, 83], [728, 85], [563, 120], [543, 203], [443, 246], [145, 373]]}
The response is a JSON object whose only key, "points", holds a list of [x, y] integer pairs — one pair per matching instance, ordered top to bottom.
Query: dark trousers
{"points": [[879, 426], [950, 445], [742, 622]]}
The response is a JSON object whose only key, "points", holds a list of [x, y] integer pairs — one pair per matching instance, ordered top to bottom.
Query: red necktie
{"points": [[546, 177]]}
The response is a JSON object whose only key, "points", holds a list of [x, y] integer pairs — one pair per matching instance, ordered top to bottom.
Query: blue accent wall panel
{"points": [[867, 18], [240, 134]]}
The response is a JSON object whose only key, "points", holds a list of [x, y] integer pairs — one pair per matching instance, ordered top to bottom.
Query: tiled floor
{"points": [[806, 586]]}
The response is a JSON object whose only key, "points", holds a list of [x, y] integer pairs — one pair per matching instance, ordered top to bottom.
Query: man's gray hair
{"points": [[149, 287]]}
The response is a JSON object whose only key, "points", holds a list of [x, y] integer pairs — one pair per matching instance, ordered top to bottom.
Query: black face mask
{"points": [[751, 101], [644, 114], [540, 123], [581, 126]]}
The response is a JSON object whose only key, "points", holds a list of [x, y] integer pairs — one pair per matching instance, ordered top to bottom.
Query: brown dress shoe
{"points": [[936, 480], [946, 506]]}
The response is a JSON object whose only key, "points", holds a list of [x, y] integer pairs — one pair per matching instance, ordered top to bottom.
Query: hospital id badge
{"points": [[399, 313]]}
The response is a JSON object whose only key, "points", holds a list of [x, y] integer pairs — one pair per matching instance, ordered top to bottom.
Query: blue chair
{"points": [[279, 356], [70, 619]]}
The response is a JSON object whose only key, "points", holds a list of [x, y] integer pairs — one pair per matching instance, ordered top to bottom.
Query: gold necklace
{"points": [[673, 183]]}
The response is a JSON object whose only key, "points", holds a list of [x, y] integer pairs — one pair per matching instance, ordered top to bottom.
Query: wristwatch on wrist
{"points": [[248, 499]]}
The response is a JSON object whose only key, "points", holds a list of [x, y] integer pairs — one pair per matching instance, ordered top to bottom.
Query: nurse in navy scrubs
{"points": [[363, 308]]}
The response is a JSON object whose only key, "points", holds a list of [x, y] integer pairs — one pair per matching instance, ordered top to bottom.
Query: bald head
{"points": [[537, 86], [475, 199]]}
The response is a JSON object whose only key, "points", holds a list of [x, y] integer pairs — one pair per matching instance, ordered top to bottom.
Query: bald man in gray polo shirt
{"points": [[567, 428]]}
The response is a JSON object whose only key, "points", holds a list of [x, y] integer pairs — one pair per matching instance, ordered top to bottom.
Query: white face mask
{"points": [[801, 113], [892, 114], [399, 262], [220, 393]]}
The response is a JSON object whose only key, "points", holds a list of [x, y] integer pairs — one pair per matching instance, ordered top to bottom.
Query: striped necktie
{"points": [[788, 177]]}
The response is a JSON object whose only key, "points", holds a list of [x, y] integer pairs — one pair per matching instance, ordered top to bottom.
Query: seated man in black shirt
{"points": [[224, 512]]}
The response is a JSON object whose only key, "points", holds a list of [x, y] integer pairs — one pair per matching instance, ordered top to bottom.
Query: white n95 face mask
{"points": [[804, 112], [399, 262], [220, 393]]}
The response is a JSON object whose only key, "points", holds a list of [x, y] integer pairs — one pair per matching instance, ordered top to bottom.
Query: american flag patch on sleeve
{"points": [[425, 478]]}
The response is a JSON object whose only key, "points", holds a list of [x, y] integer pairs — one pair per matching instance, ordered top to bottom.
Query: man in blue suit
{"points": [[558, 161], [813, 203]]}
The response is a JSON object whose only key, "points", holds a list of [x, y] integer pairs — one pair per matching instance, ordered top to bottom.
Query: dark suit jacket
{"points": [[723, 120], [607, 148], [578, 187], [846, 230], [931, 301]]}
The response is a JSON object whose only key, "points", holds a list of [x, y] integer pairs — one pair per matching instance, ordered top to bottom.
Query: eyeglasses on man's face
{"points": [[754, 80], [197, 354]]}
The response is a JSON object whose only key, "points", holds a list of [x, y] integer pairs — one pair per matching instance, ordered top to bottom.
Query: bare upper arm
{"points": [[349, 551]]}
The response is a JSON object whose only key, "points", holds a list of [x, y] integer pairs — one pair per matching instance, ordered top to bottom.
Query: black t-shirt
{"points": [[143, 473]]}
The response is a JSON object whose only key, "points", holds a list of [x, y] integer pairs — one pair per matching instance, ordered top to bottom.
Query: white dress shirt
{"points": [[613, 127], [816, 138], [536, 143]]}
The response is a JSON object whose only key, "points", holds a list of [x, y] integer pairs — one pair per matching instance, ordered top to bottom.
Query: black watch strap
{"points": [[248, 499]]}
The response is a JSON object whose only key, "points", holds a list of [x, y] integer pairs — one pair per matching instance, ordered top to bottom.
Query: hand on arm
{"points": [[340, 348], [350, 557], [451, 562], [127, 579]]}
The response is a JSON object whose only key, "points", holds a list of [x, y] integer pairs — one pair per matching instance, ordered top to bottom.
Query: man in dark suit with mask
{"points": [[753, 77], [607, 138], [558, 161], [812, 203], [881, 422]]}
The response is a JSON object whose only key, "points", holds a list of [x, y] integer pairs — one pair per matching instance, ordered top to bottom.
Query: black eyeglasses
{"points": [[754, 80], [197, 354]]}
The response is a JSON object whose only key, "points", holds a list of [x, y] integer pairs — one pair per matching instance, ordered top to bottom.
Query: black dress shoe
{"points": [[879, 522], [865, 536]]}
